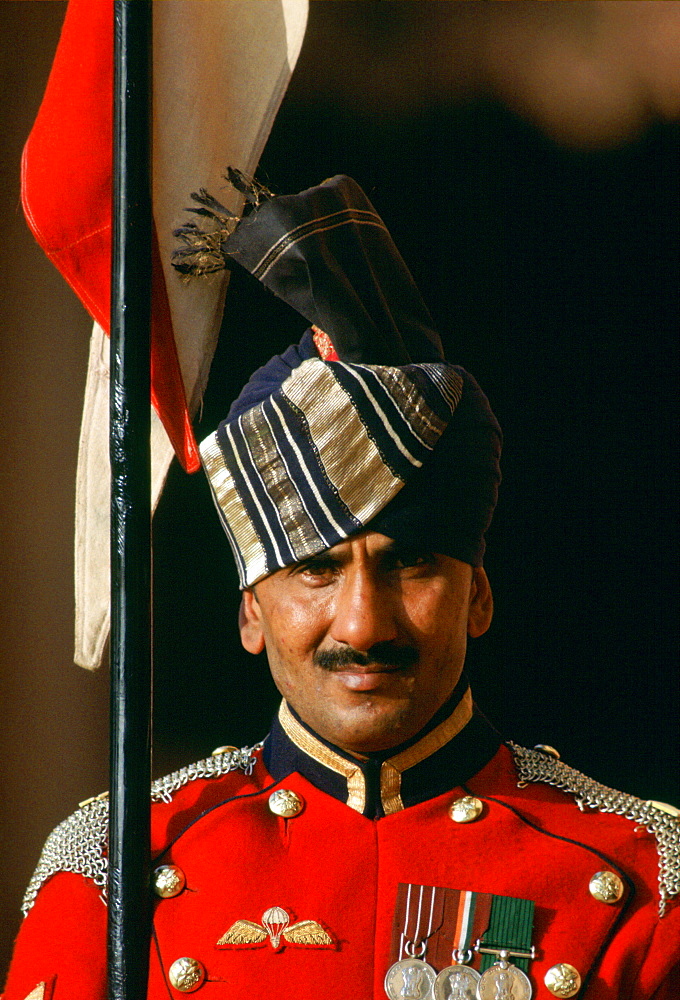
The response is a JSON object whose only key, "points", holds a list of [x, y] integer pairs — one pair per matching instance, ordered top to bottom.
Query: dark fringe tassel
{"points": [[255, 192], [203, 249]]}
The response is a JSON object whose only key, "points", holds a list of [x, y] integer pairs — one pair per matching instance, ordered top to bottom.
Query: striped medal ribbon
{"points": [[438, 934], [508, 936], [411, 977], [458, 981]]}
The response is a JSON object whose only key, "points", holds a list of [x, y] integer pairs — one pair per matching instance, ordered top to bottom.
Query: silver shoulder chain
{"points": [[215, 766], [535, 766], [79, 843], [76, 845]]}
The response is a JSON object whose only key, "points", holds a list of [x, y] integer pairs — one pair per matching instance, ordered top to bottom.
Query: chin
{"points": [[376, 727]]}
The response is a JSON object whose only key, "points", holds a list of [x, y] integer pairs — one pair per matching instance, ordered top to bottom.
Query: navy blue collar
{"points": [[456, 744]]}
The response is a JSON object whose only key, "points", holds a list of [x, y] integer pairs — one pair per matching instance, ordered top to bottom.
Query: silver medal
{"points": [[410, 979], [456, 982], [503, 982]]}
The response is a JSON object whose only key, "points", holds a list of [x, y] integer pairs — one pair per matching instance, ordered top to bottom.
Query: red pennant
{"points": [[66, 195]]}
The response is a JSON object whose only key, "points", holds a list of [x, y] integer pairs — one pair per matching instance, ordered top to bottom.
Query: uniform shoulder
{"points": [[223, 760], [657, 818], [79, 843]]}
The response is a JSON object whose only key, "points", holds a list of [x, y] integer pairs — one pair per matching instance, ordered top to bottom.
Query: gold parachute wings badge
{"points": [[277, 927], [243, 932], [307, 932]]}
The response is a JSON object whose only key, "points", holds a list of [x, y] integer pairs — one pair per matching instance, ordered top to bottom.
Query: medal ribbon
{"points": [[419, 919], [472, 919], [451, 920], [510, 927]]}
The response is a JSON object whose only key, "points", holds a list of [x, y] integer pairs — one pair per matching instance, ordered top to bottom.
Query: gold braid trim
{"points": [[391, 770], [356, 784]]}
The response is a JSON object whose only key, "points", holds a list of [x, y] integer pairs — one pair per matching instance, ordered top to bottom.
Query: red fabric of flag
{"points": [[67, 195]]}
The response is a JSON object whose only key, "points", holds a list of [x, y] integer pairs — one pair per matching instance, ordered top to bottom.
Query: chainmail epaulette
{"points": [[535, 766], [79, 843]]}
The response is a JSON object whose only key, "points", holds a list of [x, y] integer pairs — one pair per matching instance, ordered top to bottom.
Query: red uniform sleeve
{"points": [[61, 944], [662, 961], [670, 988]]}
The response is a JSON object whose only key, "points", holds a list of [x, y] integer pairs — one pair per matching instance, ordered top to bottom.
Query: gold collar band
{"points": [[391, 770]]}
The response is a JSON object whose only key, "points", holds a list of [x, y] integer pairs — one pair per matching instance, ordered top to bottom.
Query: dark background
{"points": [[550, 265], [549, 274]]}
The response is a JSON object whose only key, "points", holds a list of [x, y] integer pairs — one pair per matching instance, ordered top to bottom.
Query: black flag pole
{"points": [[129, 826]]}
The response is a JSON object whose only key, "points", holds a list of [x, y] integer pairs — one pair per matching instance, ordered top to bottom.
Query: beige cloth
{"points": [[220, 72]]}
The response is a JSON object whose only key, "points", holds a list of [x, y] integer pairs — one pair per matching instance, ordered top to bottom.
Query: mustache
{"points": [[382, 653]]}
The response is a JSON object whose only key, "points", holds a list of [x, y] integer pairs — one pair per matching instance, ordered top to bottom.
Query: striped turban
{"points": [[363, 424]]}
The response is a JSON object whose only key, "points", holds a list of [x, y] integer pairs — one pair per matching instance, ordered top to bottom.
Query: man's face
{"points": [[367, 640]]}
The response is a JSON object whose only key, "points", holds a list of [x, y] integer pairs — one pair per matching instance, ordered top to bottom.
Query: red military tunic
{"points": [[303, 907]]}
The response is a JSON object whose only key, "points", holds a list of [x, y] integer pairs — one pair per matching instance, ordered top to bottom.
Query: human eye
{"points": [[411, 559], [317, 571]]}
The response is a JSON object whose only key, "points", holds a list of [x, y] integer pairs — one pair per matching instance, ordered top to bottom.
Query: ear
{"points": [[480, 611], [250, 623]]}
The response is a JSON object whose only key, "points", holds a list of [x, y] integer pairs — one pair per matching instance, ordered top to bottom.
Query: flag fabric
{"points": [[220, 70]]}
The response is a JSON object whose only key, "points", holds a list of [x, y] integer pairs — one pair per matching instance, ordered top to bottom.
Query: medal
{"points": [[438, 933], [507, 936], [410, 979], [456, 982], [503, 982]]}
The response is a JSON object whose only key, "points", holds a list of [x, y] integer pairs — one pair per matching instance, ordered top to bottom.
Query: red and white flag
{"points": [[220, 70]]}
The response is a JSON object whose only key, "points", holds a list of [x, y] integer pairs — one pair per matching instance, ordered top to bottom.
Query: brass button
{"points": [[547, 749], [220, 750], [285, 803], [466, 809], [168, 881], [606, 887], [186, 975], [563, 980]]}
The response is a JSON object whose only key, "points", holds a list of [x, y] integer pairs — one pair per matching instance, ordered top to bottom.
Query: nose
{"points": [[363, 612]]}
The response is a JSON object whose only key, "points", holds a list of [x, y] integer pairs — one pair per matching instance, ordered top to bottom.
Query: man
{"points": [[382, 841]]}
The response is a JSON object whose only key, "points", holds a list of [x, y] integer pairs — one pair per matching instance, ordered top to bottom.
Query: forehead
{"points": [[372, 543], [363, 545], [373, 548]]}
